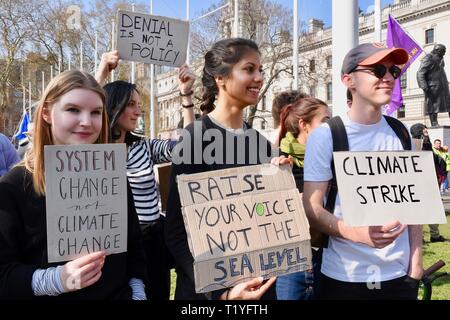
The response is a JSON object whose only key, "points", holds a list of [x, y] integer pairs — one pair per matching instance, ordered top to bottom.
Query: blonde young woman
{"points": [[71, 111]]}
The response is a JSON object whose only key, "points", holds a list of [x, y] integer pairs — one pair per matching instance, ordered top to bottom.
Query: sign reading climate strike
{"points": [[152, 39], [376, 188], [86, 199], [244, 222]]}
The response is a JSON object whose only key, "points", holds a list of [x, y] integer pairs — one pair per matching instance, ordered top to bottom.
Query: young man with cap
{"points": [[380, 262]]}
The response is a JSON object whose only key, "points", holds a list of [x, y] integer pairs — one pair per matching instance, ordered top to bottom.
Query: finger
{"points": [[275, 161], [285, 161], [391, 225], [393, 234], [92, 257], [84, 270], [87, 276], [93, 280], [256, 282], [267, 285], [263, 288]]}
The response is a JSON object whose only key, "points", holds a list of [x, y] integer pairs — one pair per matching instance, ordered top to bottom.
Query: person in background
{"points": [[280, 101], [123, 105], [71, 112], [298, 120], [8, 155]]}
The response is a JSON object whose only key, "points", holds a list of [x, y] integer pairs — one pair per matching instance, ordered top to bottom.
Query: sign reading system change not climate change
{"points": [[86, 199]]}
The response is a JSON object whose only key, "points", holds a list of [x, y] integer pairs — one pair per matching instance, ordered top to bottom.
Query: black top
{"points": [[298, 174], [175, 231], [23, 246]]}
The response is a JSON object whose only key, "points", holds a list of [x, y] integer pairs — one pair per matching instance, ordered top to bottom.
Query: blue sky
{"points": [[320, 9]]}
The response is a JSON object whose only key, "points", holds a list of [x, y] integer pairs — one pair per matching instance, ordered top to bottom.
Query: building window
{"points": [[429, 36], [329, 61], [312, 65], [403, 81], [312, 91], [329, 91], [263, 103], [401, 111], [263, 125]]}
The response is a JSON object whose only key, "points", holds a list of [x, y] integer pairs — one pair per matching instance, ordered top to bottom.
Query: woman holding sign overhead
{"points": [[232, 79], [124, 109], [70, 112]]}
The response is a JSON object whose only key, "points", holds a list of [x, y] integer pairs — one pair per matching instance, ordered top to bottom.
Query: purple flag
{"points": [[397, 37]]}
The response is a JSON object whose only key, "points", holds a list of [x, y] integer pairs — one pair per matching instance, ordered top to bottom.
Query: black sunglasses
{"points": [[379, 70]]}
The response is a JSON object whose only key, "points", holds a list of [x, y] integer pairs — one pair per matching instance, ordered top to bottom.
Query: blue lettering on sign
{"points": [[237, 267]]}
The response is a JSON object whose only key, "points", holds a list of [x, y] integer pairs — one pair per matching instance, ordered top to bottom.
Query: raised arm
{"points": [[109, 61], [186, 81]]}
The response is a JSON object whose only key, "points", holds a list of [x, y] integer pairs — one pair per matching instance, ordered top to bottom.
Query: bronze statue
{"points": [[432, 80]]}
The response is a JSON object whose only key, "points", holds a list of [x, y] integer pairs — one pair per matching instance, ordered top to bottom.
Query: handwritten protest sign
{"points": [[152, 39], [378, 187], [86, 198], [242, 223]]}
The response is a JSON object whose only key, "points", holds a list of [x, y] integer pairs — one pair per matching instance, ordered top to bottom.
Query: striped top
{"points": [[142, 155]]}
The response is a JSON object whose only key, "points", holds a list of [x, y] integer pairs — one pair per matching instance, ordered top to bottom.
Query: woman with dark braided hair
{"points": [[232, 79]]}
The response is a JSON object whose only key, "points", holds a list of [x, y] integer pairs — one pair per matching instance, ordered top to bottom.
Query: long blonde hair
{"points": [[42, 135]]}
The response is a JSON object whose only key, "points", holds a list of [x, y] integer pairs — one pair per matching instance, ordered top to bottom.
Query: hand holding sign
{"points": [[109, 62], [186, 79], [375, 236], [82, 272], [250, 290]]}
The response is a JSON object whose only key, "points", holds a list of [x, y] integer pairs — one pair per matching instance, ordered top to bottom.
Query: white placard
{"points": [[152, 39], [378, 187]]}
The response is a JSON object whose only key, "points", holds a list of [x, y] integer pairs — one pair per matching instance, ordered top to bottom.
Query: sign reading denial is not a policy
{"points": [[152, 39], [376, 188], [86, 199], [243, 223]]}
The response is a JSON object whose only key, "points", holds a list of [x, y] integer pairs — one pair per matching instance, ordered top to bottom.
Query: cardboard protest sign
{"points": [[152, 39], [378, 187], [86, 199], [243, 223]]}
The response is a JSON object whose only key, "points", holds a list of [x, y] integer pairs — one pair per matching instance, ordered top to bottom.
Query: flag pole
{"points": [[29, 100]]}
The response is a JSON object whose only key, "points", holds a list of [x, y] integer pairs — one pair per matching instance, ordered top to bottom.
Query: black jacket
{"points": [[175, 232], [23, 246]]}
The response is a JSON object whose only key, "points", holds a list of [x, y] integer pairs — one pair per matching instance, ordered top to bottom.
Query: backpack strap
{"points": [[401, 131], [340, 143]]}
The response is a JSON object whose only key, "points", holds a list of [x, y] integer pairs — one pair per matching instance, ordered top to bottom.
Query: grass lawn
{"points": [[432, 253]]}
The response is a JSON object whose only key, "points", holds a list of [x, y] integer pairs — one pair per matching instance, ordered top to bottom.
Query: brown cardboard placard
{"points": [[86, 200], [243, 223]]}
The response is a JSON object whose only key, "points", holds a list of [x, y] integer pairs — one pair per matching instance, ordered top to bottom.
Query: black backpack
{"points": [[340, 143]]}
